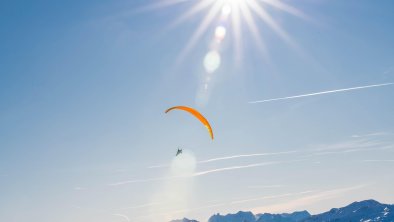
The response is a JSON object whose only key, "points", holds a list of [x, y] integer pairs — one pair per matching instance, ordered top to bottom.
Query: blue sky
{"points": [[84, 86]]}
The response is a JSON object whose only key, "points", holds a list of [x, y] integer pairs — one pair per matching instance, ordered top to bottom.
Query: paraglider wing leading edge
{"points": [[196, 114]]}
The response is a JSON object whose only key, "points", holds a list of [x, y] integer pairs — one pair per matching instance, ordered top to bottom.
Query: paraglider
{"points": [[196, 114], [178, 152]]}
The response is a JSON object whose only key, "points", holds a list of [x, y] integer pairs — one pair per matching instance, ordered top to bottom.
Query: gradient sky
{"points": [[84, 86]]}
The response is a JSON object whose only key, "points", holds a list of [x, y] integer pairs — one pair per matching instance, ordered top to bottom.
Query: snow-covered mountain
{"points": [[363, 211], [238, 217], [266, 217], [285, 217], [184, 220]]}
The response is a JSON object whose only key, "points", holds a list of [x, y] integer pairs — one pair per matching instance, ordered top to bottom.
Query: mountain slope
{"points": [[363, 211], [238, 217], [285, 217]]}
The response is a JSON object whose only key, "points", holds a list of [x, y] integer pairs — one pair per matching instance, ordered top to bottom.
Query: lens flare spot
{"points": [[226, 10], [220, 33], [211, 61], [184, 164]]}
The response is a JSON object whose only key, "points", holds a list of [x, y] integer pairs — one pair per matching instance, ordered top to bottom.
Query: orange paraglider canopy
{"points": [[196, 114]]}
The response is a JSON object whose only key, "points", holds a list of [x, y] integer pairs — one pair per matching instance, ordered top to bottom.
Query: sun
{"points": [[235, 14], [230, 17]]}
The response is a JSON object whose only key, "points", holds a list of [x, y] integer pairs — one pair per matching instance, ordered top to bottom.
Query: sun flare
{"points": [[234, 14], [233, 18]]}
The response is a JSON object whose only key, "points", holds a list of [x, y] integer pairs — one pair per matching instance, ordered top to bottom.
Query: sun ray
{"points": [[159, 5], [285, 7], [192, 11], [234, 14], [262, 14], [231, 16], [253, 28], [201, 29], [237, 33]]}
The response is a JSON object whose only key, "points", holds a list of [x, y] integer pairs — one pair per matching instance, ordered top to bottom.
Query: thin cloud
{"points": [[389, 70], [321, 93], [371, 134], [360, 143], [357, 145], [349, 147], [341, 151], [244, 155], [230, 157], [378, 160], [158, 166], [244, 166], [234, 168], [217, 170], [145, 180], [264, 186], [79, 188], [313, 196], [271, 197], [227, 203], [298, 203], [140, 206], [178, 211], [103, 212], [122, 216]]}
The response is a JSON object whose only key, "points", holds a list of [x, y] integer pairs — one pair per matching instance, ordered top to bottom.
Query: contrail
{"points": [[320, 93], [244, 155], [230, 157], [378, 160], [244, 166], [233, 168], [201, 173], [192, 175], [146, 180], [264, 186], [272, 197], [140, 206], [122, 216]]}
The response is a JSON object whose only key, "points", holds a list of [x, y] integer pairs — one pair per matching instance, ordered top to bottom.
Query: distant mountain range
{"points": [[363, 211], [184, 220]]}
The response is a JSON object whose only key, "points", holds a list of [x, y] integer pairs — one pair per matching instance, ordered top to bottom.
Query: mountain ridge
{"points": [[359, 211]]}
